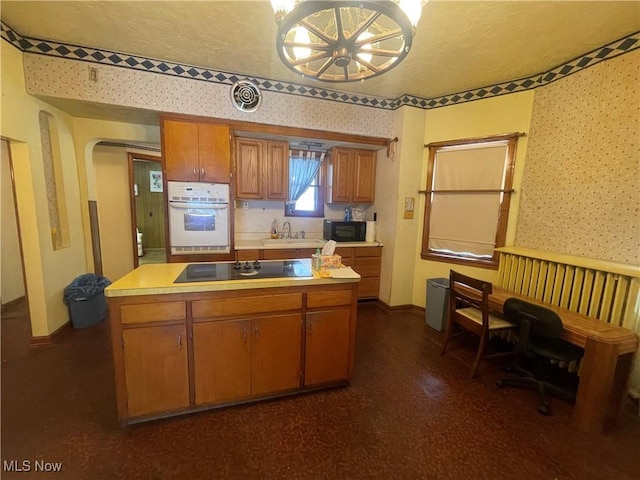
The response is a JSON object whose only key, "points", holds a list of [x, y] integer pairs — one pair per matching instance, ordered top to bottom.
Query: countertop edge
{"points": [[222, 286]]}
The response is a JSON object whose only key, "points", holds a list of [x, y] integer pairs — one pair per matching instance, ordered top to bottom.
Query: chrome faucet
{"points": [[282, 234]]}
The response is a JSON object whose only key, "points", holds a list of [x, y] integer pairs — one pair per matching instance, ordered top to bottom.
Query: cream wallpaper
{"points": [[63, 78], [581, 185]]}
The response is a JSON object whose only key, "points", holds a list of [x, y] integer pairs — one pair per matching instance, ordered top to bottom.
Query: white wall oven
{"points": [[198, 217]]}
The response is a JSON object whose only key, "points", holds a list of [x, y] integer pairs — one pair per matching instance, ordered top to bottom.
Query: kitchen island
{"points": [[184, 347]]}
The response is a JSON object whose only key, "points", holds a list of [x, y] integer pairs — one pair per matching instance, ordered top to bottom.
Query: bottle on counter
{"points": [[347, 214], [274, 228], [317, 259]]}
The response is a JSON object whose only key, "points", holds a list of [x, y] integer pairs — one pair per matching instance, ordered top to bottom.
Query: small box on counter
{"points": [[325, 261]]}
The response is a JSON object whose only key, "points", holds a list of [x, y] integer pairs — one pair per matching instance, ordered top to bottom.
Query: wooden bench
{"points": [[598, 302]]}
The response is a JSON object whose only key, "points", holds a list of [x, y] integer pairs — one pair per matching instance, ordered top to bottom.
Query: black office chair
{"points": [[538, 338]]}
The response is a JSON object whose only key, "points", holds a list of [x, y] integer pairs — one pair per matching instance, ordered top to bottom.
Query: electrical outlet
{"points": [[93, 74], [245, 205]]}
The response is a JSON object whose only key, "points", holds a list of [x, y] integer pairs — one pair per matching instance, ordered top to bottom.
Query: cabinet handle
{"points": [[202, 171], [195, 173], [310, 327], [257, 333], [244, 335], [180, 341]]}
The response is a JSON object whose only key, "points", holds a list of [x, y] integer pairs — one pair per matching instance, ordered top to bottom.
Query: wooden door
{"points": [[180, 150], [214, 153], [249, 154], [276, 172], [340, 175], [364, 181], [327, 346], [275, 353], [222, 360], [156, 369]]}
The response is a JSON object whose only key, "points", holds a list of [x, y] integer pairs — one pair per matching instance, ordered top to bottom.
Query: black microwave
{"points": [[340, 231]]}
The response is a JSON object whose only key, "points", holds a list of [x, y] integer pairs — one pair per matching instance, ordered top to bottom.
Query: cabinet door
{"points": [[180, 150], [214, 153], [248, 168], [276, 175], [364, 181], [339, 182], [327, 346], [275, 353], [222, 360], [156, 369]]}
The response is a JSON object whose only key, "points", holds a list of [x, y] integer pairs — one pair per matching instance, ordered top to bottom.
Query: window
{"points": [[469, 185], [306, 197], [310, 203]]}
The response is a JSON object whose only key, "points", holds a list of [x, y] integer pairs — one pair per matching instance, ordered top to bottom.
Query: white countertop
{"points": [[256, 244]]}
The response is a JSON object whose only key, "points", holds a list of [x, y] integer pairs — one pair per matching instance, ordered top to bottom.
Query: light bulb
{"points": [[412, 9], [301, 36], [365, 57]]}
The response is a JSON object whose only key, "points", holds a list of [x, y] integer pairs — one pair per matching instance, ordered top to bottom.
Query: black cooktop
{"points": [[213, 272]]}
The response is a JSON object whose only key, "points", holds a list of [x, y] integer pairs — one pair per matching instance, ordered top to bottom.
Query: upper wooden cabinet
{"points": [[198, 152], [262, 169], [351, 176]]}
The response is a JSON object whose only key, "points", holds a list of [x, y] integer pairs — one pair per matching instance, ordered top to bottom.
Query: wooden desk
{"points": [[604, 370]]}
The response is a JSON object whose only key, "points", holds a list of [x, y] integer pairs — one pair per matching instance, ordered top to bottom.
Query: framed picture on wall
{"points": [[155, 181]]}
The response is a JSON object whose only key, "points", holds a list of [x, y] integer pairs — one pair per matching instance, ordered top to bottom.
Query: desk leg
{"points": [[603, 380]]}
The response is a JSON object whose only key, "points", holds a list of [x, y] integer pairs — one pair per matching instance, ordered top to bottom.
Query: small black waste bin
{"points": [[85, 298], [437, 303]]}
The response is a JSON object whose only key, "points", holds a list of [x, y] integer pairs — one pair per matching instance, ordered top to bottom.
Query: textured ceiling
{"points": [[459, 45]]}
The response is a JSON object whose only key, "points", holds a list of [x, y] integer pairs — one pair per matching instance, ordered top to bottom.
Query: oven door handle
{"points": [[200, 206]]}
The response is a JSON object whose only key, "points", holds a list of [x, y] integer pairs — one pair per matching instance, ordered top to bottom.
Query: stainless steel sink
{"points": [[297, 242]]}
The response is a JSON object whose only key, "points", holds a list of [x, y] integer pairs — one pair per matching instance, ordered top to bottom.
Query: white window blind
{"points": [[464, 219]]}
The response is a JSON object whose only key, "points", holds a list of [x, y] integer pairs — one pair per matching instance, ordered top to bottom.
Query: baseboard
{"points": [[12, 303], [399, 308], [51, 338]]}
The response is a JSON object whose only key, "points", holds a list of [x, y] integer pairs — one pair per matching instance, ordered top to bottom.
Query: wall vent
{"points": [[245, 96]]}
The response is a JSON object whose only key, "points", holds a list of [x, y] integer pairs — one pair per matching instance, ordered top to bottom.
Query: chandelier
{"points": [[345, 41]]}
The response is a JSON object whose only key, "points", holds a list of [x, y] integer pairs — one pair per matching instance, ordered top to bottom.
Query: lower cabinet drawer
{"points": [[367, 266], [369, 287], [330, 298], [223, 307], [153, 312]]}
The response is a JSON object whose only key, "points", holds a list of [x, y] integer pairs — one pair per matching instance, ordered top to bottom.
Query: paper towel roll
{"points": [[371, 232]]}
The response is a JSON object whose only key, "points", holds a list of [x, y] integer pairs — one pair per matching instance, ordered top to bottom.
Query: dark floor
{"points": [[408, 414]]}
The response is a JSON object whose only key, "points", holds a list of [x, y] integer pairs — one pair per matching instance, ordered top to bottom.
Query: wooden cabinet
{"points": [[198, 152], [262, 169], [350, 176], [367, 262], [327, 346], [181, 352], [276, 353], [235, 359], [222, 360], [156, 369]]}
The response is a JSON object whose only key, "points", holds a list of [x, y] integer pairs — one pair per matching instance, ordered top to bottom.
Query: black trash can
{"points": [[85, 298], [437, 303]]}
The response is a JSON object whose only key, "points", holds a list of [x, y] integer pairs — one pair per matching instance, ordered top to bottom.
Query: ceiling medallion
{"points": [[345, 41], [245, 96]]}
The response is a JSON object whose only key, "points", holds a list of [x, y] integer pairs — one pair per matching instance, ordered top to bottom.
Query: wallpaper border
{"points": [[124, 60]]}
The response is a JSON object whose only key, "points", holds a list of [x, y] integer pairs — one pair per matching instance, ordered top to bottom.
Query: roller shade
{"points": [[462, 220]]}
